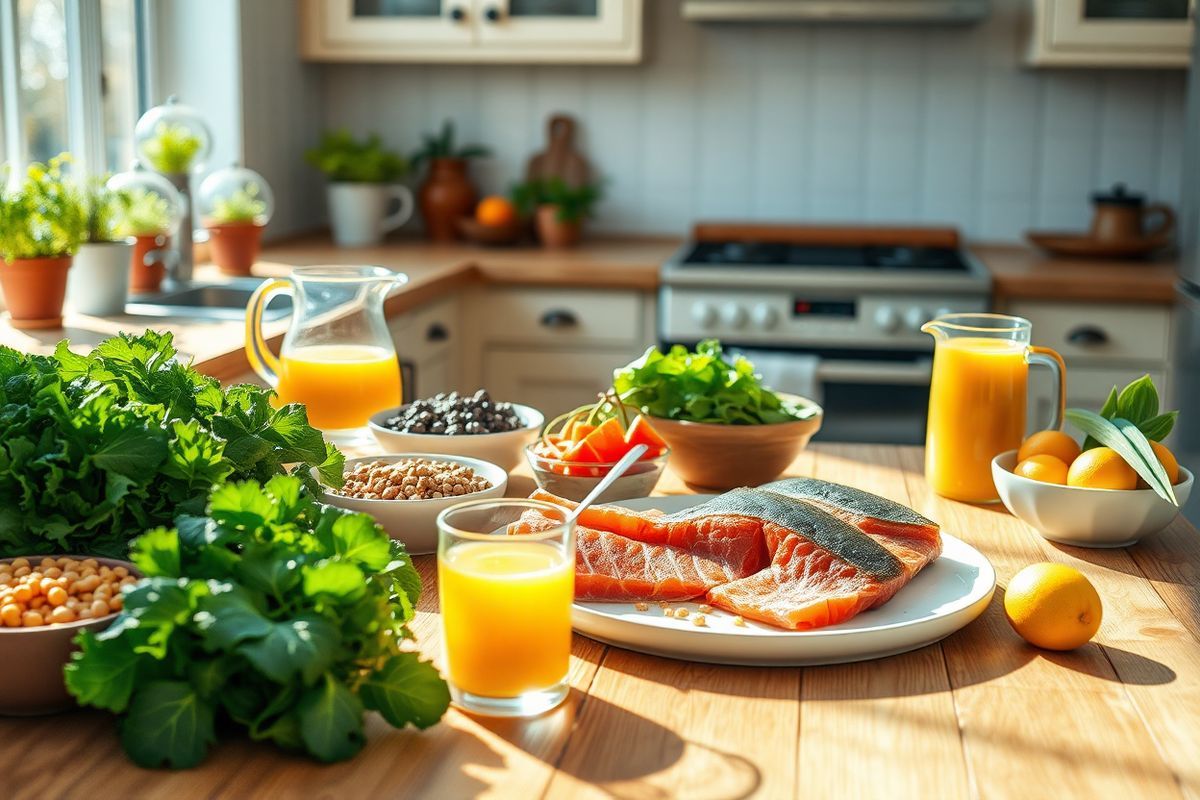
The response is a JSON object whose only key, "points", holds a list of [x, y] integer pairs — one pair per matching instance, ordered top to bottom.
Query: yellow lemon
{"points": [[1050, 443], [1167, 459], [1044, 468], [1101, 468], [1053, 606]]}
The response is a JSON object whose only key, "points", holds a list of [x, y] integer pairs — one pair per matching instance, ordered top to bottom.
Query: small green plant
{"points": [[441, 145], [171, 149], [345, 159], [573, 203], [242, 206], [106, 210], [146, 214], [42, 216]]}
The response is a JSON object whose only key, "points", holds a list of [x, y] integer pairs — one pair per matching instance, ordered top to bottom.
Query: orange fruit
{"points": [[495, 212], [1050, 443], [1167, 459], [1044, 468], [1101, 468], [1053, 606]]}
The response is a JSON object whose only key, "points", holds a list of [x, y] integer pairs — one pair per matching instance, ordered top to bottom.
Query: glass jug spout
{"points": [[935, 329]]}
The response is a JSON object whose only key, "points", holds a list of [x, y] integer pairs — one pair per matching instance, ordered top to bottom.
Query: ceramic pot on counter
{"points": [[446, 195], [358, 212], [1122, 216], [553, 232], [234, 246], [148, 264], [98, 282], [34, 290]]}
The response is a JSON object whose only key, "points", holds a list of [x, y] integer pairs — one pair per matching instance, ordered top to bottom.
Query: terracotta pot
{"points": [[446, 195], [554, 232], [234, 246], [148, 277], [34, 289], [716, 456]]}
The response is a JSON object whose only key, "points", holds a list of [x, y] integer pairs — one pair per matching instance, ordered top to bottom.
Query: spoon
{"points": [[627, 461]]}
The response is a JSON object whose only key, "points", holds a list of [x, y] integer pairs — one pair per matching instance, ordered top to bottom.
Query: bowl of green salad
{"points": [[724, 427]]}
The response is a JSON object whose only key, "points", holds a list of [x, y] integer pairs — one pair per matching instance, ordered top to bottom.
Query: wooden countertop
{"points": [[1025, 273], [979, 714]]}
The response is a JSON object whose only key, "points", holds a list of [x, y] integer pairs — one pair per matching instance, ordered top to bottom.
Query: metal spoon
{"points": [[627, 461]]}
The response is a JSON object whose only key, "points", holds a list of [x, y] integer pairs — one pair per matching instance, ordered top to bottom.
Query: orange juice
{"points": [[342, 385], [976, 411], [506, 613]]}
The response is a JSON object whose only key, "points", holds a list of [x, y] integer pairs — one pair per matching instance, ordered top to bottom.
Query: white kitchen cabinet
{"points": [[473, 31], [1109, 33], [429, 343], [552, 382]]}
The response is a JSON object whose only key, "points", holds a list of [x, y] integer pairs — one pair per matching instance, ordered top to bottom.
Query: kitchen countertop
{"points": [[1018, 272], [980, 714]]}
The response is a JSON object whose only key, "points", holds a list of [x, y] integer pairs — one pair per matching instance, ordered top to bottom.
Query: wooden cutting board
{"points": [[560, 159]]}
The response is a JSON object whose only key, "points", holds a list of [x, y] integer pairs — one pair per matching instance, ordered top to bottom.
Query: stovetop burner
{"points": [[782, 255]]}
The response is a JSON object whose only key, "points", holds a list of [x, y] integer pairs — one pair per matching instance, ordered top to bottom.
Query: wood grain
{"points": [[1020, 272]]}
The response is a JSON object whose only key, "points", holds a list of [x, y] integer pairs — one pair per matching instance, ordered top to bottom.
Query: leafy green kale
{"points": [[702, 387], [96, 449], [272, 613]]}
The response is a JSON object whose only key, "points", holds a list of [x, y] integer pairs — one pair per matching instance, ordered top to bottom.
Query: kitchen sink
{"points": [[218, 301]]}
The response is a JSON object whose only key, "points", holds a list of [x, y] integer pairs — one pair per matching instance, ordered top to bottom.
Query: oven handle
{"points": [[914, 373]]}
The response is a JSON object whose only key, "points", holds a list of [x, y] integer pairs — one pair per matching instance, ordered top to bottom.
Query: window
{"points": [[70, 80]]}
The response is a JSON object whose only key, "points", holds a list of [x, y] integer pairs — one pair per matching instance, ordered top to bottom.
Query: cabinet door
{"points": [[558, 23], [1155, 24], [367, 27], [433, 375], [552, 382], [1087, 387]]}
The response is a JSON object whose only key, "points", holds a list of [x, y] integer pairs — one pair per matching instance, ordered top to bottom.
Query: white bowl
{"points": [[505, 449], [1086, 517], [414, 522]]}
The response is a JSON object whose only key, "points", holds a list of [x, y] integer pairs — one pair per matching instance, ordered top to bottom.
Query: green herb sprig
{"points": [[442, 145], [171, 149], [345, 159], [571, 203], [242, 205], [146, 213], [44, 215], [273, 613]]}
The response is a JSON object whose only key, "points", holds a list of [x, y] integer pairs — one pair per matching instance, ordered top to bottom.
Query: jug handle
{"points": [[1045, 357], [261, 359]]}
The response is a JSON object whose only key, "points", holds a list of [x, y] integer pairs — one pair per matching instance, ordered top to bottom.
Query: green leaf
{"points": [[1138, 401], [1109, 409], [1158, 428], [1123, 436], [132, 452], [1152, 470], [356, 537], [156, 553], [261, 569], [341, 580], [229, 618], [305, 645], [102, 673], [406, 690], [331, 721], [168, 724]]}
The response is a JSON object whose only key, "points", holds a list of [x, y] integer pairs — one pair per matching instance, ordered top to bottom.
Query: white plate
{"points": [[945, 596]]}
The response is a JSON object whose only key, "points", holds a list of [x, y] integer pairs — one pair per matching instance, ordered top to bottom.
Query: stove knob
{"points": [[703, 314], [733, 315], [763, 316], [915, 317], [886, 319]]}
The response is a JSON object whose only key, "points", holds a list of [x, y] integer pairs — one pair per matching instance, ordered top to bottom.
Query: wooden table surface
{"points": [[980, 714]]}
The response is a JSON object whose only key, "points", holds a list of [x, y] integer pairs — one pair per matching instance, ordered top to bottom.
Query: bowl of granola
{"points": [[405, 492]]}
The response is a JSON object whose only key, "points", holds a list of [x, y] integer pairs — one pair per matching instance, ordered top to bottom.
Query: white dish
{"points": [[506, 449], [1086, 517], [414, 522], [943, 597]]}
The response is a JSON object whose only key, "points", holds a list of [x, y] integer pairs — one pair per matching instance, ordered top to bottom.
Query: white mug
{"points": [[359, 211], [98, 281]]}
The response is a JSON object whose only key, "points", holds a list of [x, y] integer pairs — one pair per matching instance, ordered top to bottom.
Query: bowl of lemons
{"points": [[1088, 498]]}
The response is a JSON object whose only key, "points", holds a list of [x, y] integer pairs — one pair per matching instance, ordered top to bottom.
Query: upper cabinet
{"points": [[473, 31], [1110, 33]]}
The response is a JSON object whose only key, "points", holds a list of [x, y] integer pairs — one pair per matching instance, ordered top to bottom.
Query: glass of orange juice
{"points": [[506, 607]]}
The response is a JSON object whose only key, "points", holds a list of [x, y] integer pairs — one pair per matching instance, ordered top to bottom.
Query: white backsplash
{"points": [[790, 122]]}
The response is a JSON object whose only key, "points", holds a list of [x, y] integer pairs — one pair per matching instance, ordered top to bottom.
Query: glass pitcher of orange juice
{"points": [[337, 356], [977, 399]]}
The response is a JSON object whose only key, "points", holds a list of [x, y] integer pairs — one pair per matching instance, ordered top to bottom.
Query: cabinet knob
{"points": [[458, 14], [492, 14], [559, 318], [437, 333], [1087, 336]]}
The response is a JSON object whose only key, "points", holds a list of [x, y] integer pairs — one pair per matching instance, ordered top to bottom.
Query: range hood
{"points": [[889, 11]]}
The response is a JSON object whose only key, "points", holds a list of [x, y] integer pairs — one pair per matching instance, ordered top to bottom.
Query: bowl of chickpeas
{"points": [[44, 602]]}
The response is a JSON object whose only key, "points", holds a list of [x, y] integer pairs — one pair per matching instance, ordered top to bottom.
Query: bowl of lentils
{"points": [[472, 425], [406, 492]]}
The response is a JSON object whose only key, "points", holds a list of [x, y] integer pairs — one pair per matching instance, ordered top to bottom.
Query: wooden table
{"points": [[980, 714]]}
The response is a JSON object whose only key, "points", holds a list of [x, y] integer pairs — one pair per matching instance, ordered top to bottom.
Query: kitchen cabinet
{"points": [[473, 31], [1109, 33], [428, 342], [552, 382]]}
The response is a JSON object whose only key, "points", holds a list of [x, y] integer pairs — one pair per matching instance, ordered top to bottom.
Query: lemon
{"points": [[1049, 443], [1167, 459], [1044, 468], [1101, 468], [1053, 606]]}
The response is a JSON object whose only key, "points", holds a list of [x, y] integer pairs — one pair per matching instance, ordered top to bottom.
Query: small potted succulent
{"points": [[363, 181], [447, 192], [235, 205], [152, 210], [558, 210], [43, 220], [98, 283]]}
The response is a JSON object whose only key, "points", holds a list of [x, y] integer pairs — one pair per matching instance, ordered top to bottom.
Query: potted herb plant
{"points": [[363, 182], [447, 192], [235, 205], [152, 209], [558, 209], [43, 220], [98, 282]]}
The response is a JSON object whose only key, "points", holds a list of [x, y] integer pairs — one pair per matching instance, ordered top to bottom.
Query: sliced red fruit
{"points": [[581, 431], [642, 432], [608, 441], [582, 452]]}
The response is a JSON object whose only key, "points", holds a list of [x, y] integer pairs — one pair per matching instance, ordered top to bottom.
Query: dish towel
{"points": [[793, 373]]}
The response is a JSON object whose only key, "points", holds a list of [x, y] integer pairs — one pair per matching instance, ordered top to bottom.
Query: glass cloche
{"points": [[172, 138], [234, 196], [152, 206]]}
